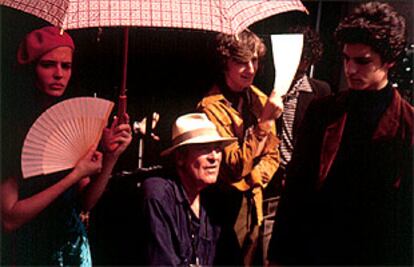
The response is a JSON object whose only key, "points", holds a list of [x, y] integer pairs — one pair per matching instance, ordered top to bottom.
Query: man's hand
{"points": [[273, 107]]}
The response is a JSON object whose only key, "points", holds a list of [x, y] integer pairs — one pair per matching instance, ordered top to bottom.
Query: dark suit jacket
{"points": [[319, 89], [362, 215]]}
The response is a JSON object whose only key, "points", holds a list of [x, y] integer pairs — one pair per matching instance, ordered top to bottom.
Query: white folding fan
{"points": [[287, 51], [63, 134]]}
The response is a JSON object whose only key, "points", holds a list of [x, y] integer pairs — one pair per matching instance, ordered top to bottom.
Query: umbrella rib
{"points": [[181, 12], [110, 13], [130, 13], [211, 14]]}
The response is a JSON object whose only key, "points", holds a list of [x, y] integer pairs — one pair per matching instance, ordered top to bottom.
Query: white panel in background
{"points": [[287, 51]]}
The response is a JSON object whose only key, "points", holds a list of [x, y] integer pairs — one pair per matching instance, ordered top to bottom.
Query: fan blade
{"points": [[63, 134]]}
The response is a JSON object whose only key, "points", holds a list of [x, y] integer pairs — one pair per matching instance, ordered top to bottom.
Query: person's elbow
{"points": [[9, 220], [8, 224]]}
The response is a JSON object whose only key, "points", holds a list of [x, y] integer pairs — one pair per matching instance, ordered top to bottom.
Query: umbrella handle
{"points": [[122, 101], [122, 107]]}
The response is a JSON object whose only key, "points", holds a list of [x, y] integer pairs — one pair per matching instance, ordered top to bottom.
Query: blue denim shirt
{"points": [[169, 231]]}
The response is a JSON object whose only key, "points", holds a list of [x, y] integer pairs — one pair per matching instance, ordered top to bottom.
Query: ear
{"points": [[179, 158]]}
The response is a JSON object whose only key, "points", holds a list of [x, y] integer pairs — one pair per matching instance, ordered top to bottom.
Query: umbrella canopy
{"points": [[228, 16]]}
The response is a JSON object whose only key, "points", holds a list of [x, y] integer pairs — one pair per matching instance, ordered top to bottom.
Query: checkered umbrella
{"points": [[228, 16]]}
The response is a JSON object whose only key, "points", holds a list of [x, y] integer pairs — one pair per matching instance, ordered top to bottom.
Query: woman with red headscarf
{"points": [[42, 213]]}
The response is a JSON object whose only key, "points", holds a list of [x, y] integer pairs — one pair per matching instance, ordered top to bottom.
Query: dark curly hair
{"points": [[375, 24], [312, 45], [240, 47]]}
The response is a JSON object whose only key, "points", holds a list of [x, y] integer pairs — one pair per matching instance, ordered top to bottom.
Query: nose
{"points": [[250, 67], [350, 67], [58, 72], [214, 155]]}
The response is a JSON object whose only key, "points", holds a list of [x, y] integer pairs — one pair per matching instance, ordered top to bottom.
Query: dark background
{"points": [[168, 72]]}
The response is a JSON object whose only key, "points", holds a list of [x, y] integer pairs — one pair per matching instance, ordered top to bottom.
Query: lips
{"points": [[247, 77], [354, 80], [57, 86], [211, 169]]}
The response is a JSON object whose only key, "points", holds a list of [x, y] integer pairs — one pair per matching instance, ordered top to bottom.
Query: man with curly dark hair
{"points": [[377, 25], [348, 196]]}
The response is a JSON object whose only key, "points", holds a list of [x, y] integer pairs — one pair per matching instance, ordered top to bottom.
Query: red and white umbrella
{"points": [[228, 16]]}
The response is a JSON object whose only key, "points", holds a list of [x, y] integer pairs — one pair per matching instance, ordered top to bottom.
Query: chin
{"points": [[356, 86], [239, 89], [210, 180]]}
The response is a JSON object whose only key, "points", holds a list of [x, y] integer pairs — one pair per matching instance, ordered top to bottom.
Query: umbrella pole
{"points": [[122, 103]]}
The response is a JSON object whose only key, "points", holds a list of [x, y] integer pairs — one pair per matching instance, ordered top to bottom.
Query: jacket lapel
{"points": [[303, 102], [389, 123], [387, 127], [330, 146]]}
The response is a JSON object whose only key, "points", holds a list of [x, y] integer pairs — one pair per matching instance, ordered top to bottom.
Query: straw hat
{"points": [[194, 128]]}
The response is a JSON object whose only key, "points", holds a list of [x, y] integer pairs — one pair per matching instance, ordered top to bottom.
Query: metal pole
{"points": [[317, 27], [140, 151]]}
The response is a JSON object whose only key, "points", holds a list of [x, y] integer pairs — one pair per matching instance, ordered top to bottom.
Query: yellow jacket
{"points": [[242, 167]]}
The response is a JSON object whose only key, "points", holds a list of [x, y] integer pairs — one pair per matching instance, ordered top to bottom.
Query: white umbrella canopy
{"points": [[228, 16]]}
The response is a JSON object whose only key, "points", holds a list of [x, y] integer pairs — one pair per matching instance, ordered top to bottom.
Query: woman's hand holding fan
{"points": [[63, 134], [90, 164]]}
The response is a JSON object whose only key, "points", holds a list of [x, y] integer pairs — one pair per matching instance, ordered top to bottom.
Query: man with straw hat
{"points": [[180, 230]]}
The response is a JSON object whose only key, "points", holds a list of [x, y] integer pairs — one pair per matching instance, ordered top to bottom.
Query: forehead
{"points": [[359, 51], [58, 54], [243, 57], [202, 148]]}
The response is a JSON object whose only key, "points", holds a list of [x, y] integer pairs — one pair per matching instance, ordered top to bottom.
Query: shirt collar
{"points": [[303, 85], [179, 191], [205, 231]]}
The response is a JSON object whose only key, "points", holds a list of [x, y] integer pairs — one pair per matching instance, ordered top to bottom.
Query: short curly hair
{"points": [[375, 24], [312, 45], [240, 47]]}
